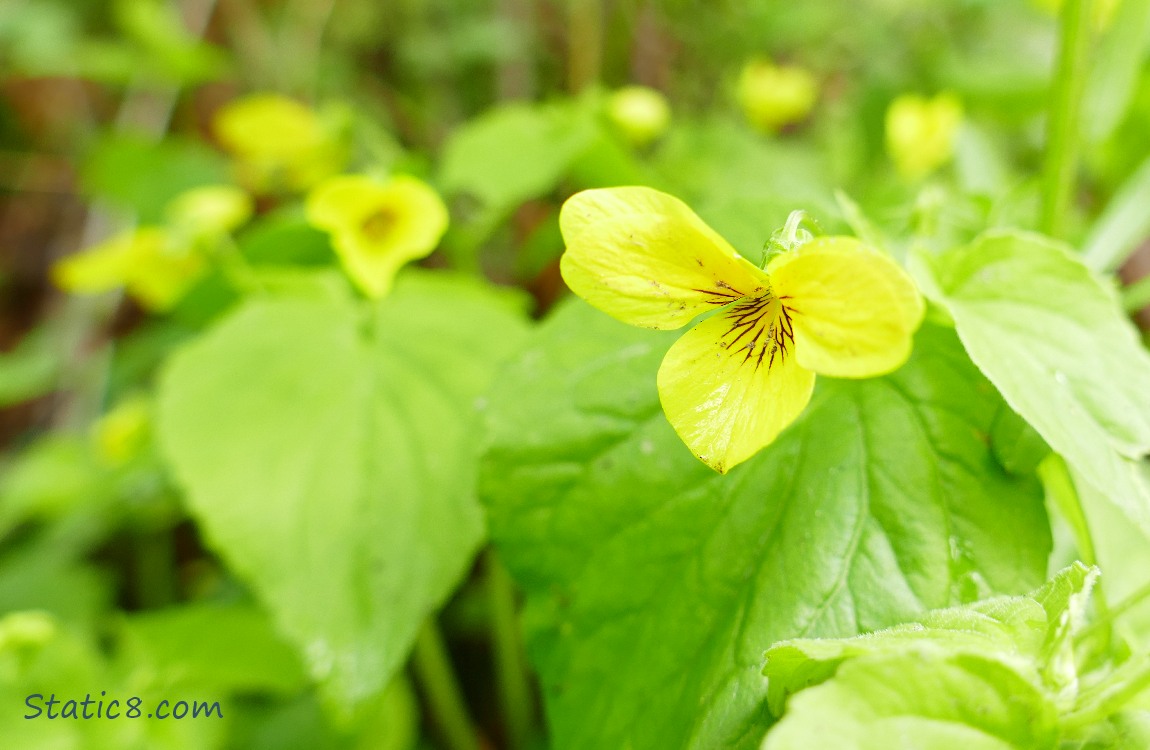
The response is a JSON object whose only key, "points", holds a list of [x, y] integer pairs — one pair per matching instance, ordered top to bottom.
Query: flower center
{"points": [[379, 224], [760, 330]]}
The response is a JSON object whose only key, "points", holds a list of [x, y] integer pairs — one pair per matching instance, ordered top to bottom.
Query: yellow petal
{"points": [[267, 126], [278, 142], [378, 227], [648, 260], [99, 268], [155, 270], [163, 271], [854, 309], [731, 384]]}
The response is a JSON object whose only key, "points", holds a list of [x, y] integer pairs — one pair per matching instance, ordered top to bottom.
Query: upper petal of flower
{"points": [[378, 227], [644, 257], [854, 309], [731, 384]]}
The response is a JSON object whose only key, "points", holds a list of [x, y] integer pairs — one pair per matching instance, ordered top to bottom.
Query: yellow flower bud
{"points": [[774, 96], [639, 113], [921, 133], [278, 143], [210, 209]]}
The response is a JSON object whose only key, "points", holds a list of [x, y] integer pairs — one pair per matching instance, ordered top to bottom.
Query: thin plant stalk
{"points": [[584, 43], [1061, 167], [437, 682], [516, 697]]}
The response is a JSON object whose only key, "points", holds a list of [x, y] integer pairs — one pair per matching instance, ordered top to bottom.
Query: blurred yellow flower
{"points": [[774, 96], [641, 114], [921, 133], [278, 143], [210, 210], [376, 227], [156, 271], [733, 382], [121, 434]]}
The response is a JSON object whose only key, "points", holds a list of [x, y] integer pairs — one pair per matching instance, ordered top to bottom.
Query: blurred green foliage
{"points": [[272, 491]]}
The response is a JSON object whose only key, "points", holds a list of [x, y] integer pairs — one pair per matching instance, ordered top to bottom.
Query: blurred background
{"points": [[910, 122]]}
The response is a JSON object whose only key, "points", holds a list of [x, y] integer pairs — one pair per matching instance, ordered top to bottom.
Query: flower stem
{"points": [[584, 43], [1063, 119], [1137, 295], [155, 569], [1112, 614], [441, 690], [516, 697], [1099, 702]]}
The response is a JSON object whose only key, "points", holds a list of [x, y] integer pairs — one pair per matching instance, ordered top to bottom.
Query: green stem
{"points": [[584, 43], [1063, 126], [1137, 295], [155, 566], [1119, 609], [441, 690], [516, 697], [1103, 701]]}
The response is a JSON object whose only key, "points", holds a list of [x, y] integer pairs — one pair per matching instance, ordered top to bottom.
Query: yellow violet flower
{"points": [[774, 96], [641, 114], [921, 133], [279, 144], [377, 227], [154, 269], [733, 382]]}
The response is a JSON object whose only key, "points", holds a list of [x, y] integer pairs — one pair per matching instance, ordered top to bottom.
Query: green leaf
{"points": [[174, 55], [516, 151], [718, 160], [141, 176], [285, 238], [1056, 344], [29, 370], [1015, 443], [333, 466], [49, 479], [1123, 554], [40, 578], [654, 585], [1034, 630], [232, 648], [41, 657], [920, 700], [1126, 731]]}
